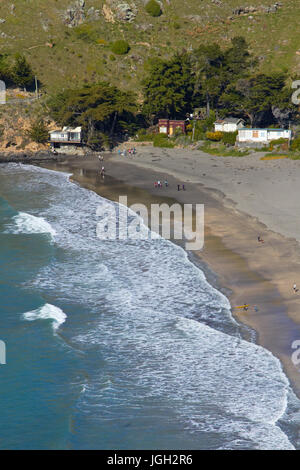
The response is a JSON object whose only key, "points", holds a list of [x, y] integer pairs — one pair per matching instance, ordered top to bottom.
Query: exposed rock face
{"points": [[264, 9], [115, 11], [124, 12], [75, 14], [93, 14], [108, 14], [282, 115]]}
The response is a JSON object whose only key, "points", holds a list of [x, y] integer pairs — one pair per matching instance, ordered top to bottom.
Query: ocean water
{"points": [[120, 344]]}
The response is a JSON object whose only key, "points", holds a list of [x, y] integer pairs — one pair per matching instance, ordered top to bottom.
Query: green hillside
{"points": [[62, 55]]}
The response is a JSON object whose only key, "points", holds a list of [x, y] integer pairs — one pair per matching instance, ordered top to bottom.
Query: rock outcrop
{"points": [[245, 10], [114, 11], [75, 14]]}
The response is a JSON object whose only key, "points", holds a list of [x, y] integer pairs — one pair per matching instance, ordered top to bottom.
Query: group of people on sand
{"points": [[123, 153], [102, 171], [158, 184], [245, 306]]}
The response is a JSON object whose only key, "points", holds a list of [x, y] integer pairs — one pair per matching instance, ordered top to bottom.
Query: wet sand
{"points": [[246, 271]]}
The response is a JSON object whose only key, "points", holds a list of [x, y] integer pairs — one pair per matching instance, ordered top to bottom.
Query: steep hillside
{"points": [[69, 41]]}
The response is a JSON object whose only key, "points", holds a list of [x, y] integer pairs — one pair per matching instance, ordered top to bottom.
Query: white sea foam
{"points": [[28, 223], [143, 298], [47, 312]]}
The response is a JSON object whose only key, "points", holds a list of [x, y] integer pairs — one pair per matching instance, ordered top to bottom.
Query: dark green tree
{"points": [[5, 69], [215, 69], [21, 72], [210, 73], [169, 88], [255, 97], [99, 108], [38, 131]]}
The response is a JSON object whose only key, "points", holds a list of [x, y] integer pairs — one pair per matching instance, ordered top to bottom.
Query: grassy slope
{"points": [[275, 37]]}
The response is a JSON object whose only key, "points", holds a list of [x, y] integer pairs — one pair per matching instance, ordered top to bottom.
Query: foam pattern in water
{"points": [[164, 338]]}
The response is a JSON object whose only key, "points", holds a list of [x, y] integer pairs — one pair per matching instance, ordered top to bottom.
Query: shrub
{"points": [[153, 8], [85, 32], [101, 42], [120, 47], [22, 73], [38, 131], [142, 136], [215, 136], [229, 138], [161, 140], [278, 141], [295, 145]]}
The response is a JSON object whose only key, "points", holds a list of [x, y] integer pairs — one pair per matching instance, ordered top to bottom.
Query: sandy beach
{"points": [[244, 197]]}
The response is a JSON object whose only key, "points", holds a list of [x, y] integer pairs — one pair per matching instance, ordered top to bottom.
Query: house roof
{"points": [[231, 120], [72, 129]]}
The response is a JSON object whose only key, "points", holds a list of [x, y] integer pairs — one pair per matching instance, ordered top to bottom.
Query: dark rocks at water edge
{"points": [[28, 157]]}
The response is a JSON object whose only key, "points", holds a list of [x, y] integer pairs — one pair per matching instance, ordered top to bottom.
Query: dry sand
{"points": [[244, 197]]}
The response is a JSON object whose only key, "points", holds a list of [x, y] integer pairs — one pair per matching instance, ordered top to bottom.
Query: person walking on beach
{"points": [[100, 158], [166, 183], [155, 184], [158, 184], [178, 187], [183, 188], [259, 239], [295, 288], [245, 307]]}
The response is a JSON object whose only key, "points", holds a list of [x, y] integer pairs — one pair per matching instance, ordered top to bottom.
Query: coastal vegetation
{"points": [[153, 8], [89, 81], [102, 110], [38, 131]]}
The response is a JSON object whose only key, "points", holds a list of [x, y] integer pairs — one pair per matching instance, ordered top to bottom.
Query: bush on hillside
{"points": [[153, 8], [120, 47], [22, 73], [38, 131], [295, 145]]}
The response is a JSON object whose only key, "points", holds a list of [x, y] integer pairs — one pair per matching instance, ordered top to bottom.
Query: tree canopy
{"points": [[169, 87], [101, 109]]}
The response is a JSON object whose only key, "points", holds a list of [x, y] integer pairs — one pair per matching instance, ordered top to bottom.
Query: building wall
{"points": [[262, 135]]}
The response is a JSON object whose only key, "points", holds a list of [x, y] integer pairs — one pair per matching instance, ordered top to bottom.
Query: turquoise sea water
{"points": [[120, 344]]}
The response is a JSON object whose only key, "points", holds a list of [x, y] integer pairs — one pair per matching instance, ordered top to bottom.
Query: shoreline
{"points": [[230, 269]]}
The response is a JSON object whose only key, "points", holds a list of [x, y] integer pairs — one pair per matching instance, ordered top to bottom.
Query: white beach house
{"points": [[230, 124], [262, 135], [67, 140]]}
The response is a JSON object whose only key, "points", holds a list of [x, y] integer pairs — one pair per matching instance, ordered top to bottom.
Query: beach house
{"points": [[230, 124], [169, 126], [262, 135], [67, 140]]}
